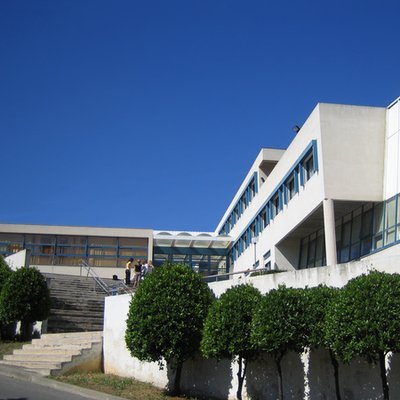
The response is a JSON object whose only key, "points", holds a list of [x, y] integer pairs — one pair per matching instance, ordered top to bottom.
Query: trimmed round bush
{"points": [[25, 297]]}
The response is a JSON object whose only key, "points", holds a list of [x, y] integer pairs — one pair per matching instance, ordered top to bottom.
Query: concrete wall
{"points": [[353, 147], [392, 151], [351, 158], [18, 260], [102, 272], [305, 377]]}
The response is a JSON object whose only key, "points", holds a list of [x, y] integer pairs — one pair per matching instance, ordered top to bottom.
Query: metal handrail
{"points": [[247, 273], [103, 285]]}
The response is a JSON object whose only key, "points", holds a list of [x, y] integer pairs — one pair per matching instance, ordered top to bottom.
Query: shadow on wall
{"points": [[321, 375], [393, 376], [207, 378], [262, 378], [361, 380]]}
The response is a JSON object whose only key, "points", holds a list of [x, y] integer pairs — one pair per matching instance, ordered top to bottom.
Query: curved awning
{"points": [[190, 239]]}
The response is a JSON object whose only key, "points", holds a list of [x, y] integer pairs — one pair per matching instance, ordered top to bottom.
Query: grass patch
{"points": [[8, 346], [127, 388]]}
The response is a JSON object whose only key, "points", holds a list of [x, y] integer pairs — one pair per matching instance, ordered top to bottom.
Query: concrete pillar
{"points": [[330, 233]]}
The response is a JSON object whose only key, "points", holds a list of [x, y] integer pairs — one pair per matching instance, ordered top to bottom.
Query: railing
{"points": [[247, 273], [118, 288]]}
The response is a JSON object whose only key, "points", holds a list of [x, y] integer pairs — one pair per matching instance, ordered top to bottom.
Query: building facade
{"points": [[331, 197]]}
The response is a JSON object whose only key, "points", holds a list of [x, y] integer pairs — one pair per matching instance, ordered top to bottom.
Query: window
{"points": [[308, 167], [290, 188], [252, 190], [275, 205], [236, 214], [264, 220], [390, 221], [378, 226], [253, 230], [366, 230], [355, 235], [346, 236], [320, 249], [267, 261]]}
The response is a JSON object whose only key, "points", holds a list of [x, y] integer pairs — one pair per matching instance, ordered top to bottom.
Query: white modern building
{"points": [[331, 197]]}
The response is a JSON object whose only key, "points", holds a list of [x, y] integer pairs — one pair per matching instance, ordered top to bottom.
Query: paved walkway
{"points": [[36, 387]]}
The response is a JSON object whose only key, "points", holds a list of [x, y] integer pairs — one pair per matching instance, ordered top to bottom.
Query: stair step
{"points": [[77, 305], [79, 312], [75, 335], [69, 341], [57, 347], [28, 351], [56, 353], [40, 357], [32, 364], [41, 371]]}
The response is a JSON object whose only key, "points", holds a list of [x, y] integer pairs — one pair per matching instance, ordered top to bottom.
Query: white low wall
{"points": [[18, 260], [76, 270], [307, 377]]}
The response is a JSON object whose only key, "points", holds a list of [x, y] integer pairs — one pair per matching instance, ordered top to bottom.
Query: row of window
{"points": [[298, 175], [244, 201], [361, 232], [71, 250], [203, 264]]}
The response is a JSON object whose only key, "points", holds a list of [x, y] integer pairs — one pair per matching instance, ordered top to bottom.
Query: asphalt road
{"points": [[17, 384], [15, 389]]}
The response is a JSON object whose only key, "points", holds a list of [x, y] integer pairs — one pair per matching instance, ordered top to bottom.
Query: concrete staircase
{"points": [[77, 305], [58, 353]]}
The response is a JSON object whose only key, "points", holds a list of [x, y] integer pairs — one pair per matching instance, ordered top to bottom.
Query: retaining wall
{"points": [[307, 376]]}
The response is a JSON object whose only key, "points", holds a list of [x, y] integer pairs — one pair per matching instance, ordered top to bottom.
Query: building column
{"points": [[330, 233]]}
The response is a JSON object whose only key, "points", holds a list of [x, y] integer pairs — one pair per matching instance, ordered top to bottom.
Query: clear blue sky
{"points": [[148, 114]]}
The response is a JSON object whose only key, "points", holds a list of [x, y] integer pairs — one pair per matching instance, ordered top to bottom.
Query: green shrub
{"points": [[5, 272], [25, 297], [166, 317], [364, 320], [279, 325], [227, 328]]}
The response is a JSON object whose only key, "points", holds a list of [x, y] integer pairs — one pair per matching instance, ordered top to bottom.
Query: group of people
{"points": [[140, 269]]}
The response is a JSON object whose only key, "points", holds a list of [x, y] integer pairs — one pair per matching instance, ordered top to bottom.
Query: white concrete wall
{"points": [[353, 148], [392, 151], [351, 153], [18, 260], [102, 272], [117, 359], [358, 380]]}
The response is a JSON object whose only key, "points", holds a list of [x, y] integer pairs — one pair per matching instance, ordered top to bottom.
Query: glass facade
{"points": [[365, 230], [97, 251], [205, 261]]}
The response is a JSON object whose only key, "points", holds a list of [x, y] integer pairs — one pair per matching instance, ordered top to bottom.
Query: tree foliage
{"points": [[5, 272], [25, 297], [317, 301], [166, 316], [364, 320], [228, 325], [279, 325], [227, 328]]}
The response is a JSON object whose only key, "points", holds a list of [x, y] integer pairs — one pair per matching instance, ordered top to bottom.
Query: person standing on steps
{"points": [[128, 267], [138, 271]]}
